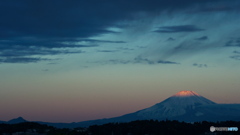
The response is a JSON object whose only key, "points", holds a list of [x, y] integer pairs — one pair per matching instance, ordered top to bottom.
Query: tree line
{"points": [[139, 127]]}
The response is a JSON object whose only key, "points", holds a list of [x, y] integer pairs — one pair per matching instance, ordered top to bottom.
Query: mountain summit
{"points": [[186, 93], [176, 105]]}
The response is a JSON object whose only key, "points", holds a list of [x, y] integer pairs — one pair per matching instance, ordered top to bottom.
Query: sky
{"points": [[71, 61]]}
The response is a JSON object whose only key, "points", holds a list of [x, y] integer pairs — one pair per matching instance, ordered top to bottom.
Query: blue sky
{"points": [[91, 56]]}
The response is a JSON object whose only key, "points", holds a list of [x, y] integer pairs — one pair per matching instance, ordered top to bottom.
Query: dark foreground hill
{"points": [[140, 127]]}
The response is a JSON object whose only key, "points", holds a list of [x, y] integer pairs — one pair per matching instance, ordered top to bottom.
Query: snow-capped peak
{"points": [[186, 93], [175, 105]]}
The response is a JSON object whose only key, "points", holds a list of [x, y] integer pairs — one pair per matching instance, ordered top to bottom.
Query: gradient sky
{"points": [[70, 61]]}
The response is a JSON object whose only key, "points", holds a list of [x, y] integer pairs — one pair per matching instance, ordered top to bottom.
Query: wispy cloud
{"points": [[178, 28], [202, 38], [170, 39], [233, 42], [12, 49], [107, 51], [237, 52], [235, 57], [140, 59], [22, 60], [166, 62], [200, 65]]}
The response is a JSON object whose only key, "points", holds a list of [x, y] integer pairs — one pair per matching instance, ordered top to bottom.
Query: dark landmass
{"points": [[139, 127]]}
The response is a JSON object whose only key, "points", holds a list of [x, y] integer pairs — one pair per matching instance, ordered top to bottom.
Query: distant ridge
{"points": [[187, 106], [16, 120]]}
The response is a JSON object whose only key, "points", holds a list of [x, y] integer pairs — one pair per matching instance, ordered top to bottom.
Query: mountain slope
{"points": [[175, 105], [183, 106]]}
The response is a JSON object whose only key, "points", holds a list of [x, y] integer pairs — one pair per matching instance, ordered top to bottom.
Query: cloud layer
{"points": [[180, 28], [31, 30]]}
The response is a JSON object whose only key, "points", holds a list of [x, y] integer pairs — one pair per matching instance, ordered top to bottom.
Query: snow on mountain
{"points": [[186, 93], [175, 105], [185, 106]]}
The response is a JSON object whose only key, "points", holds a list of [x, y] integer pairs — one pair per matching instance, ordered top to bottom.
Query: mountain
{"points": [[175, 105], [185, 106], [16, 120]]}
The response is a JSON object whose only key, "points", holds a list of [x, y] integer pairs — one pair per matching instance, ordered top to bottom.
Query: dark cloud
{"points": [[220, 6], [216, 9], [61, 19], [71, 19], [30, 25], [178, 28], [202, 38], [170, 39], [100, 41], [233, 43], [7, 44], [30, 47], [141, 47], [126, 49], [34, 51], [107, 51], [237, 52], [27, 54], [235, 57], [139, 59], [21, 60], [116, 61], [166, 62], [200, 65], [45, 70]]}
